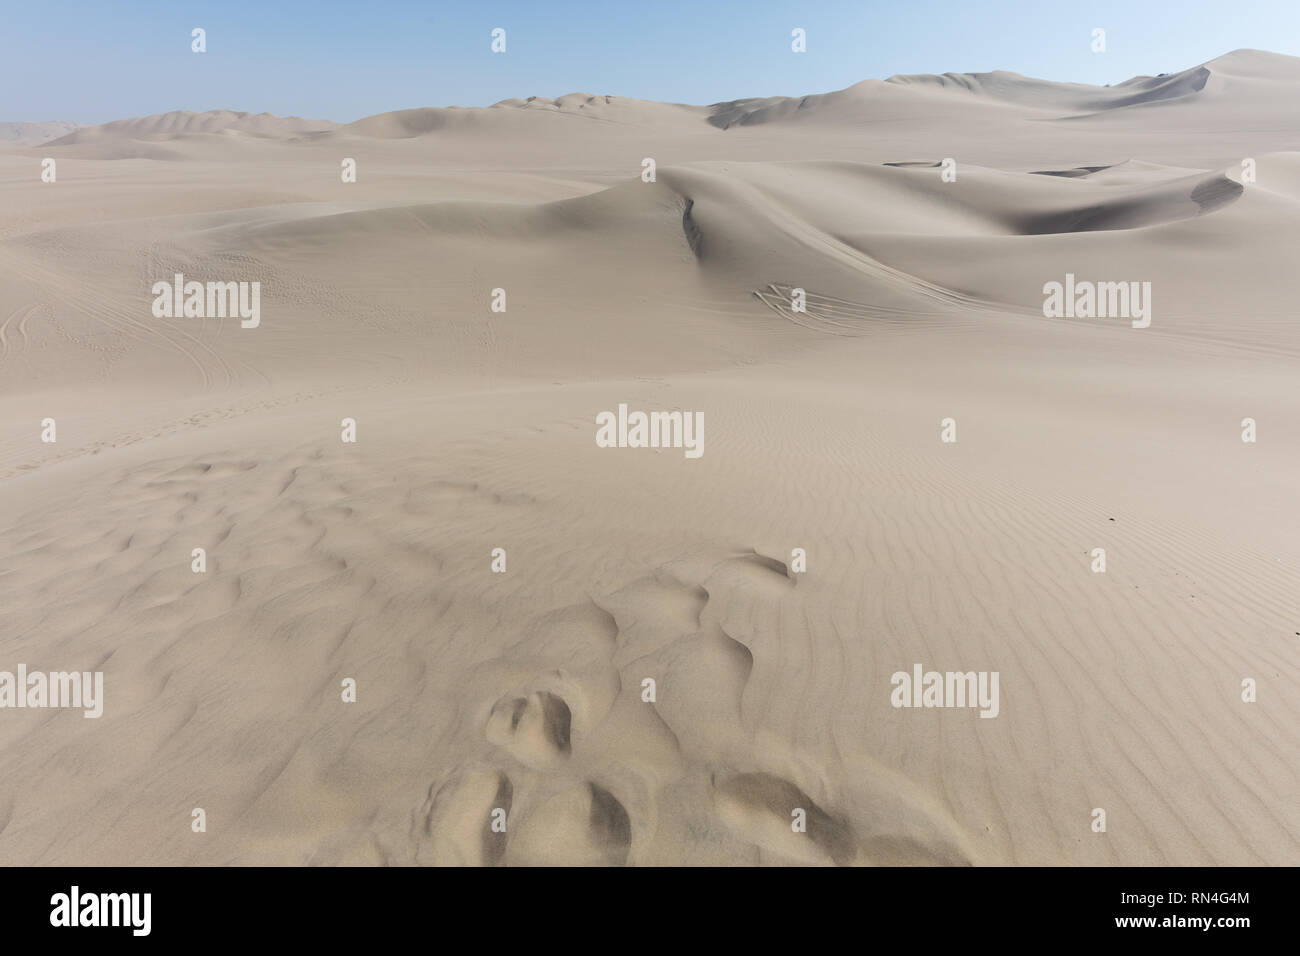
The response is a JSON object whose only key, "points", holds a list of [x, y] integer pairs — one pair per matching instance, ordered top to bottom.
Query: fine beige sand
{"points": [[521, 691]]}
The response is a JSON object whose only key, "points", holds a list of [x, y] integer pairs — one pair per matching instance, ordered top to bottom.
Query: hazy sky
{"points": [[109, 59]]}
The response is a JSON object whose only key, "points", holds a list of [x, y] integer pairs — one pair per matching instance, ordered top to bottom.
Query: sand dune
{"points": [[504, 116], [185, 123], [34, 134], [524, 691]]}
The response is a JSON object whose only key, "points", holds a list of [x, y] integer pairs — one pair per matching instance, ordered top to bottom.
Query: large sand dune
{"points": [[523, 690]]}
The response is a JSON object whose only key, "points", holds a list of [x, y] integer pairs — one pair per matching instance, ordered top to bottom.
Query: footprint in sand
{"points": [[534, 729], [762, 807], [584, 825], [454, 827]]}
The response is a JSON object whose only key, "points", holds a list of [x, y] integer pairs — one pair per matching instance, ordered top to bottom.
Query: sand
{"points": [[518, 697]]}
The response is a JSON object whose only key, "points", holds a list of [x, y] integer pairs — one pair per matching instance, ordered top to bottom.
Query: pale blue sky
{"points": [[110, 59]]}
